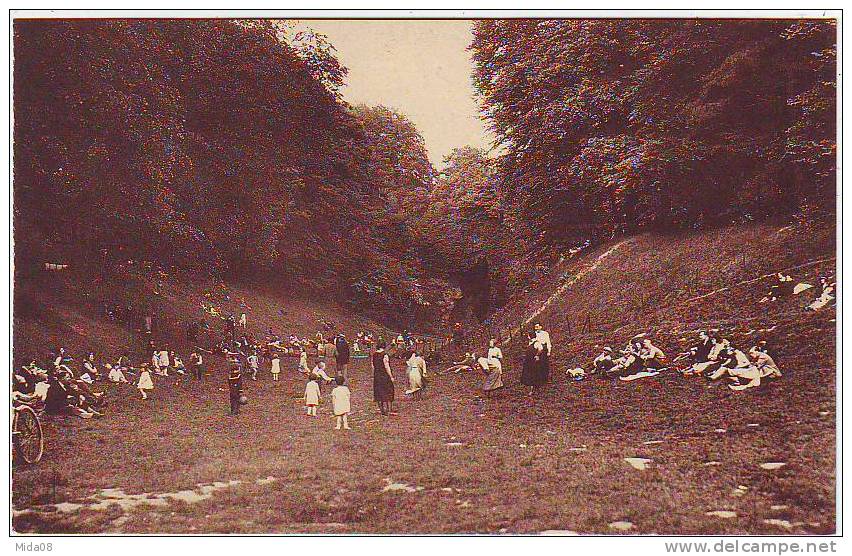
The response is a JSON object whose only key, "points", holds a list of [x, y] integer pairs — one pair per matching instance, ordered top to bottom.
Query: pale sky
{"points": [[419, 68]]}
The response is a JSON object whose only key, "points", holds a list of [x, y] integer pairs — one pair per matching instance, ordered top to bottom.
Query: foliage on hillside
{"points": [[610, 126], [215, 146]]}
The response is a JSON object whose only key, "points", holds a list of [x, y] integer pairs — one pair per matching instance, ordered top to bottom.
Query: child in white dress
{"points": [[303, 361], [155, 363], [253, 363], [276, 367], [145, 382], [312, 395], [340, 402]]}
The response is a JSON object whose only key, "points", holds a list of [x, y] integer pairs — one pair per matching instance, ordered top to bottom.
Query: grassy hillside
{"points": [[64, 310], [457, 461]]}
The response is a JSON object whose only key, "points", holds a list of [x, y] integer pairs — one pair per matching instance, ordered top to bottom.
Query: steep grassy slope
{"points": [[666, 285], [61, 311], [506, 463]]}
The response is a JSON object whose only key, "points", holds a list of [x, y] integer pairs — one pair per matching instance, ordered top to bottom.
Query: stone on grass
{"points": [[638, 463], [772, 465], [400, 487], [740, 490], [724, 514], [781, 523], [621, 525], [559, 533]]}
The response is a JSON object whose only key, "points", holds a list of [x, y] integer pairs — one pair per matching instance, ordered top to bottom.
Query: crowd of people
{"points": [[713, 357], [62, 385]]}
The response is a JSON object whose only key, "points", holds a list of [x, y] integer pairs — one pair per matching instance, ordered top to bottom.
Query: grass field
{"points": [[456, 462]]}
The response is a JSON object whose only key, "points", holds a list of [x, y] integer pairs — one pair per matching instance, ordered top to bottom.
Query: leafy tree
{"points": [[614, 125]]}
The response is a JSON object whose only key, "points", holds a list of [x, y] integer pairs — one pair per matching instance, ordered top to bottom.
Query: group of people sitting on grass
{"points": [[784, 286], [712, 357], [638, 359], [62, 385], [57, 389]]}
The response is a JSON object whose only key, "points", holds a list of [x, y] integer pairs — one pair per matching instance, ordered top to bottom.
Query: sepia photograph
{"points": [[411, 273]]}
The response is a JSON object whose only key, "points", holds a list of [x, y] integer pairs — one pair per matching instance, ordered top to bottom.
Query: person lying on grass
{"points": [[464, 365]]}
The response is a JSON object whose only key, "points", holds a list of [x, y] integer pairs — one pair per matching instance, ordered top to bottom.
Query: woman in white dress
{"points": [[494, 352], [416, 373]]}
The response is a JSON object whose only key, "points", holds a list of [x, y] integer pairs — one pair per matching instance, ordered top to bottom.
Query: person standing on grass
{"points": [[542, 336], [330, 351], [494, 352], [341, 356], [303, 360], [155, 362], [165, 363], [253, 363], [197, 364], [416, 366], [276, 367], [493, 369], [534, 373], [383, 381], [145, 382], [235, 388], [312, 395], [341, 403]]}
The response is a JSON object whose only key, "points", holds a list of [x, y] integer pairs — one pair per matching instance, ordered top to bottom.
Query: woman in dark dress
{"points": [[534, 373], [382, 378]]}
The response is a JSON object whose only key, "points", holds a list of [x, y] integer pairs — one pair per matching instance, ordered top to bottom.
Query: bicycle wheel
{"points": [[28, 435]]}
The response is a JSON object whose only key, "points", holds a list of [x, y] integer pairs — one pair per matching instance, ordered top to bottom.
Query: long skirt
{"points": [[534, 372], [415, 380], [494, 380], [382, 386]]}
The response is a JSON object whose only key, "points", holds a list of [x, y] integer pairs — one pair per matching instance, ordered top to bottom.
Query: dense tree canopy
{"points": [[612, 125], [213, 145], [224, 147]]}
